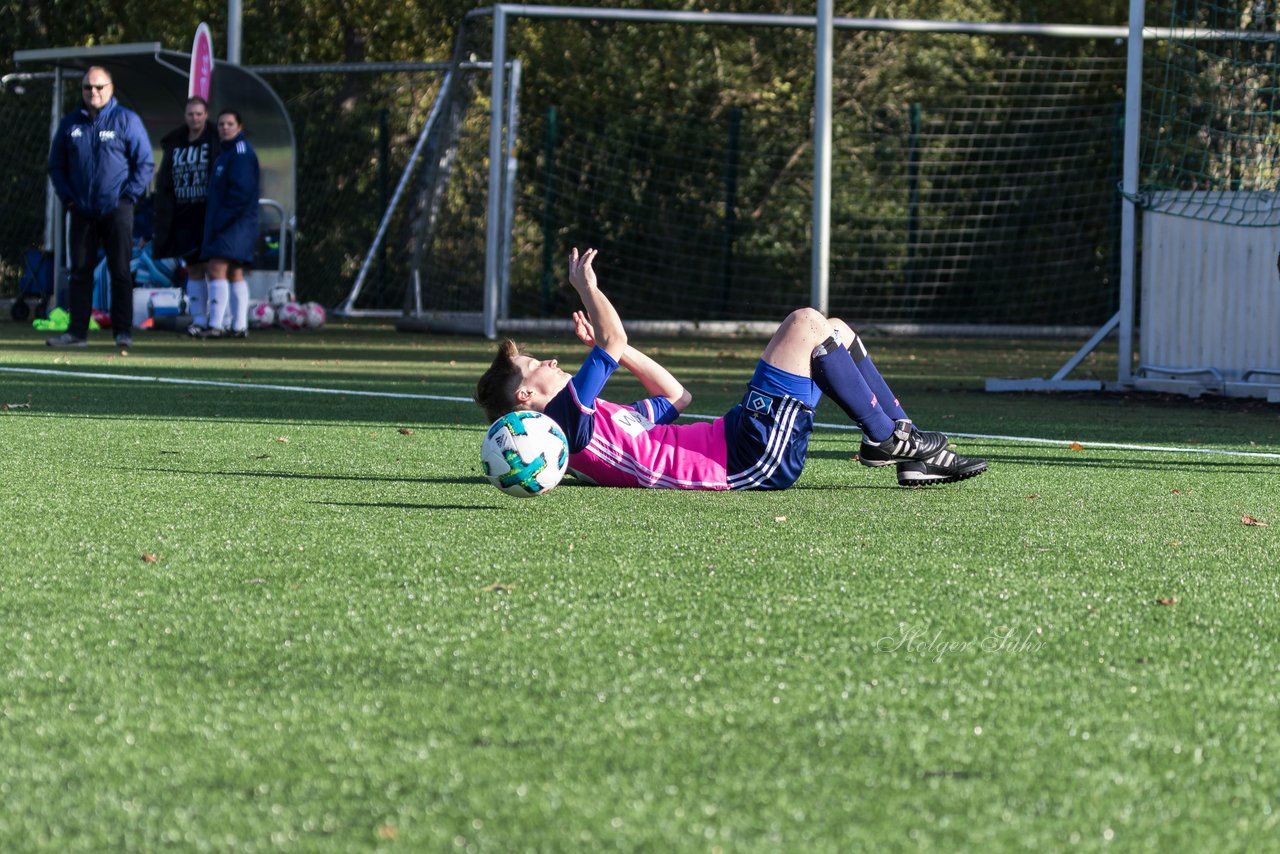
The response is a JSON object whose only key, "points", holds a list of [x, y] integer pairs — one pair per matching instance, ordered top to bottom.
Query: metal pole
{"points": [[900, 25], [234, 27], [509, 192], [53, 205], [1128, 216], [493, 222], [819, 272], [348, 305]]}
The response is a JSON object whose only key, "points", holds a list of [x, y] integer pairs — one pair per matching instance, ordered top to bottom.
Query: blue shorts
{"points": [[768, 432]]}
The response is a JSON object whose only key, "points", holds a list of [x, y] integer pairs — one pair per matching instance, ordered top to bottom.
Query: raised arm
{"points": [[609, 334], [657, 380]]}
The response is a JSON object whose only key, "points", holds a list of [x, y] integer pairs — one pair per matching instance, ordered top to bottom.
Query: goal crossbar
{"points": [[823, 23]]}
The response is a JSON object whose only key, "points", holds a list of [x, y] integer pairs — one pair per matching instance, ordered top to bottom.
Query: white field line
{"points": [[216, 384], [1024, 440]]}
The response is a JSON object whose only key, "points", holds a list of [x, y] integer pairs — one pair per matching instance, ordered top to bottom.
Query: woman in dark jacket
{"points": [[182, 189], [231, 227]]}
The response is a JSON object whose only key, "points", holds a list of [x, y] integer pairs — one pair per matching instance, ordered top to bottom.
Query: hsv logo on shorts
{"points": [[759, 402]]}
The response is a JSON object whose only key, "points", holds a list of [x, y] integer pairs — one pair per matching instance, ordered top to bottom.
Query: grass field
{"points": [[247, 619]]}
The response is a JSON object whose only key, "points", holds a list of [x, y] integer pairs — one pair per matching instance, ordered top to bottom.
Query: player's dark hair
{"points": [[196, 99], [231, 112], [496, 390]]}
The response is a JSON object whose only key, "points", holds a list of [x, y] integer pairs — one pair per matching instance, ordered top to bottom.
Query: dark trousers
{"points": [[114, 234]]}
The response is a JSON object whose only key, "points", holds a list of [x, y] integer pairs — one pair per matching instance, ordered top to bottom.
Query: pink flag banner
{"points": [[201, 77]]}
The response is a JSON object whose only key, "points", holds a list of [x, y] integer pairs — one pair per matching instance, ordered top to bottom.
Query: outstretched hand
{"points": [[581, 275], [598, 323], [583, 329]]}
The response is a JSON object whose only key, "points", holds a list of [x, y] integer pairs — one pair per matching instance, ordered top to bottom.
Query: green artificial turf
{"points": [[249, 619]]}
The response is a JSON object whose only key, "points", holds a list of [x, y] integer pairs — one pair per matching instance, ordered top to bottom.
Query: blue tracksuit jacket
{"points": [[95, 163], [231, 213]]}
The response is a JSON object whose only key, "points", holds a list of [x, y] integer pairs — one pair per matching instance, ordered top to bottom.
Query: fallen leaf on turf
{"points": [[405, 431], [282, 439], [1076, 446], [1177, 492], [1031, 497], [779, 519], [1249, 520], [149, 558], [497, 587], [1167, 600], [387, 831]]}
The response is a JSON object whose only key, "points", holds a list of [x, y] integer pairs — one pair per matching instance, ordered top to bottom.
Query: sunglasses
{"points": [[98, 86]]}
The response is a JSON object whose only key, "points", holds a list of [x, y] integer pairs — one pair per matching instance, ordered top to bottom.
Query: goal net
{"points": [[1211, 148], [974, 176]]}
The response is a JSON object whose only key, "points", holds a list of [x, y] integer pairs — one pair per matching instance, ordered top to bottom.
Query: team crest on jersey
{"points": [[76, 133], [758, 402]]}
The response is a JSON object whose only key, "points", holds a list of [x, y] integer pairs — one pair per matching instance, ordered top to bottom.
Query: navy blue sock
{"points": [[833, 370], [888, 400]]}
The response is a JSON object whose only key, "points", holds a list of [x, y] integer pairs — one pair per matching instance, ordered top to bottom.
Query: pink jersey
{"points": [[628, 449]]}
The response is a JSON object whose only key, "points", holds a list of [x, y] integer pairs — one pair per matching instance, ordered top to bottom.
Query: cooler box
{"points": [[155, 302]]}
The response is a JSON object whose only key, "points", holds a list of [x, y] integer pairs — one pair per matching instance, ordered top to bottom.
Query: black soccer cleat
{"points": [[904, 445], [943, 467]]}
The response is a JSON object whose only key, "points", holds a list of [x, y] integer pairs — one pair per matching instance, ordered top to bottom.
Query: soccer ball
{"points": [[280, 294], [261, 315], [316, 315], [291, 316], [524, 454]]}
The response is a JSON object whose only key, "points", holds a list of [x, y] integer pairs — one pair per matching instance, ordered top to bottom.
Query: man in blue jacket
{"points": [[100, 164]]}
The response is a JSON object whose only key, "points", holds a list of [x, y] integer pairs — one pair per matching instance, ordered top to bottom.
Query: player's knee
{"points": [[808, 317], [846, 332]]}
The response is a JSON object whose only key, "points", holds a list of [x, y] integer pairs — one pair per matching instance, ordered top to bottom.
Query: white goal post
{"points": [[822, 23], [959, 199]]}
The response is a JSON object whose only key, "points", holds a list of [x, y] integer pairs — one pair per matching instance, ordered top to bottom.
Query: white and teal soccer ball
{"points": [[261, 315], [524, 454]]}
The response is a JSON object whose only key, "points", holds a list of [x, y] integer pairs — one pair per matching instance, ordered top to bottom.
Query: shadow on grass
{"points": [[1189, 463], [289, 475], [399, 505]]}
